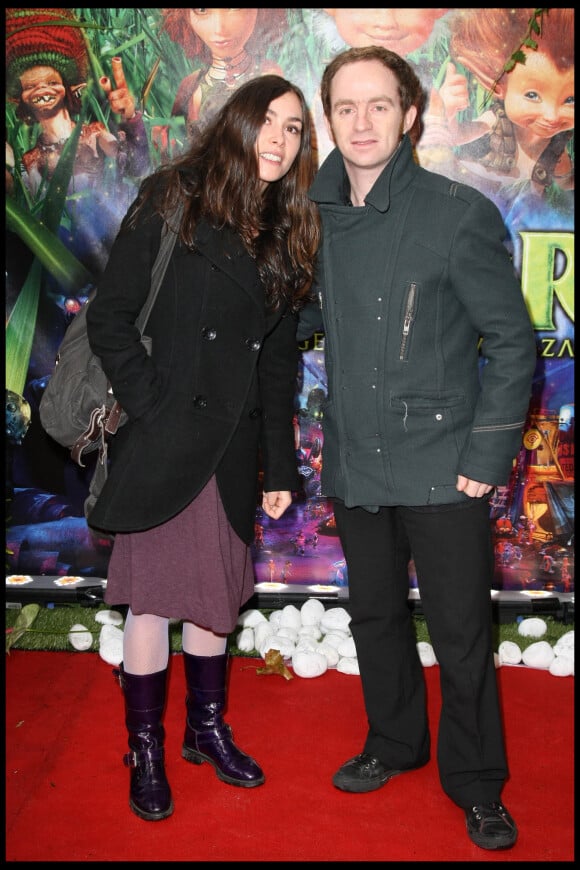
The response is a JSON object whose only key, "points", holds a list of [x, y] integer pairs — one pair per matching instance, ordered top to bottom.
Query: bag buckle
{"points": [[95, 430]]}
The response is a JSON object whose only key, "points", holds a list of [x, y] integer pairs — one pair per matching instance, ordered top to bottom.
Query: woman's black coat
{"points": [[215, 396]]}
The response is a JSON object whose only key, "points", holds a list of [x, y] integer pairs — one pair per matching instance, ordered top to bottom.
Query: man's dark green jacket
{"points": [[429, 348]]}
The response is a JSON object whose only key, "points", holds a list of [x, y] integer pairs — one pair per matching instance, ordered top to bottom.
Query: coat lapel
{"points": [[226, 251]]}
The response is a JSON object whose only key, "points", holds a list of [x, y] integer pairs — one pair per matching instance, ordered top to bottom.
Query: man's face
{"points": [[366, 119]]}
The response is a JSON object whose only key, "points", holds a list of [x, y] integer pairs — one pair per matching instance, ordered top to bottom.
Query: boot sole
{"points": [[195, 757], [151, 817], [491, 845]]}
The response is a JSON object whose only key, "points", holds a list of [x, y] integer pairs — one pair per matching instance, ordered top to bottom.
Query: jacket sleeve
{"points": [[483, 276], [121, 293], [309, 321], [278, 371]]}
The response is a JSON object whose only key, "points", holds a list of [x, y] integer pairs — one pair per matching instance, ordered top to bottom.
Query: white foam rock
{"points": [[312, 612], [109, 617], [290, 617], [335, 617], [251, 618], [275, 619], [532, 627], [262, 631], [312, 631], [290, 633], [80, 637], [335, 638], [245, 640], [111, 644], [283, 644], [306, 644], [565, 644], [347, 648], [330, 652], [509, 653], [539, 655], [309, 664], [348, 666], [562, 666]]}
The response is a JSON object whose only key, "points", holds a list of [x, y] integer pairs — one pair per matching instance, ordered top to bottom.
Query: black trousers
{"points": [[453, 554]]}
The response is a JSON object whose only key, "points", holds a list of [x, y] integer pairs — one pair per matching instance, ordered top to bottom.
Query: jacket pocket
{"points": [[425, 405], [428, 430], [446, 494]]}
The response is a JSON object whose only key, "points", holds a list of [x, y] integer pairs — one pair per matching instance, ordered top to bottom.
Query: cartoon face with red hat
{"points": [[46, 62]]}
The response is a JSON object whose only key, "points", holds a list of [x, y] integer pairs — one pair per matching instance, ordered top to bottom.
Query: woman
{"points": [[216, 393]]}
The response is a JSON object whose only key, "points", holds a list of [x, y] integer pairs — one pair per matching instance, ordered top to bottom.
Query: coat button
{"points": [[209, 333], [253, 344], [200, 401], [254, 413]]}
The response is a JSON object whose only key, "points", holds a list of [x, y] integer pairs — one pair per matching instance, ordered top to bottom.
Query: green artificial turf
{"points": [[48, 629]]}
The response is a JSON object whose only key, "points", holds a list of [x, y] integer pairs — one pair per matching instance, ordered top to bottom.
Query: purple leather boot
{"points": [[207, 737], [149, 795]]}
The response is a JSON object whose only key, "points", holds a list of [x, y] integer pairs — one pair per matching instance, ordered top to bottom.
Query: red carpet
{"points": [[67, 789]]}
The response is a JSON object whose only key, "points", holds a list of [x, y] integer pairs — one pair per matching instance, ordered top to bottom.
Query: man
{"points": [[414, 282]]}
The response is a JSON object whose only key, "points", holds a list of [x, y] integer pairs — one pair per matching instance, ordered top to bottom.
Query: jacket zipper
{"points": [[408, 320]]}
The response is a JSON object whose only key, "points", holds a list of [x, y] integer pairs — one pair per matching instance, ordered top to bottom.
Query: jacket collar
{"points": [[331, 185]]}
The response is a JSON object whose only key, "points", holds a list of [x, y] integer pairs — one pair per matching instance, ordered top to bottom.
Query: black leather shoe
{"points": [[362, 773], [490, 826]]}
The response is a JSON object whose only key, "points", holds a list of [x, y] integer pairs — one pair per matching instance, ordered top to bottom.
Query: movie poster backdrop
{"points": [[96, 99]]}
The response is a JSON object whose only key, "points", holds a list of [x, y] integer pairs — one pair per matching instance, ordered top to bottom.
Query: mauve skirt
{"points": [[193, 567]]}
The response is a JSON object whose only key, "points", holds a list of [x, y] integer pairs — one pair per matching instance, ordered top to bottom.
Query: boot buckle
{"points": [[137, 757], [130, 760]]}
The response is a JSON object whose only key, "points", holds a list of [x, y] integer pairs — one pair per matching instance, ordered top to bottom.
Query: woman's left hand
{"points": [[275, 503]]}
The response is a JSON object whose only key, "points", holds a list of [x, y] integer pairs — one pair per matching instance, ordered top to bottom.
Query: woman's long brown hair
{"points": [[219, 179]]}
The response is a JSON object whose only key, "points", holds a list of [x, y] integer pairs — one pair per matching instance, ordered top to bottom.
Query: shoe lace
{"points": [[490, 811]]}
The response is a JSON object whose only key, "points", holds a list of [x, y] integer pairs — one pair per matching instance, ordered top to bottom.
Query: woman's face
{"points": [[224, 31], [279, 139]]}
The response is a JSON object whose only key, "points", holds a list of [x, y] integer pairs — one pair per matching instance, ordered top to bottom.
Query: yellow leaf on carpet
{"points": [[275, 665]]}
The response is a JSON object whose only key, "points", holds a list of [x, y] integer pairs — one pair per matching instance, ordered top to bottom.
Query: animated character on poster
{"points": [[230, 45], [47, 70], [517, 137], [67, 177]]}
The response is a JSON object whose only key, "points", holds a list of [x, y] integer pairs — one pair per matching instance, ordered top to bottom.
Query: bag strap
{"points": [[168, 237], [105, 422]]}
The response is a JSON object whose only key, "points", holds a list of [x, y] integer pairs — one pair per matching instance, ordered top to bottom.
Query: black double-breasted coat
{"points": [[216, 395]]}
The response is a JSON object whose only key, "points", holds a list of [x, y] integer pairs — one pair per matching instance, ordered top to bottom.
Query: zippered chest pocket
{"points": [[409, 314]]}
